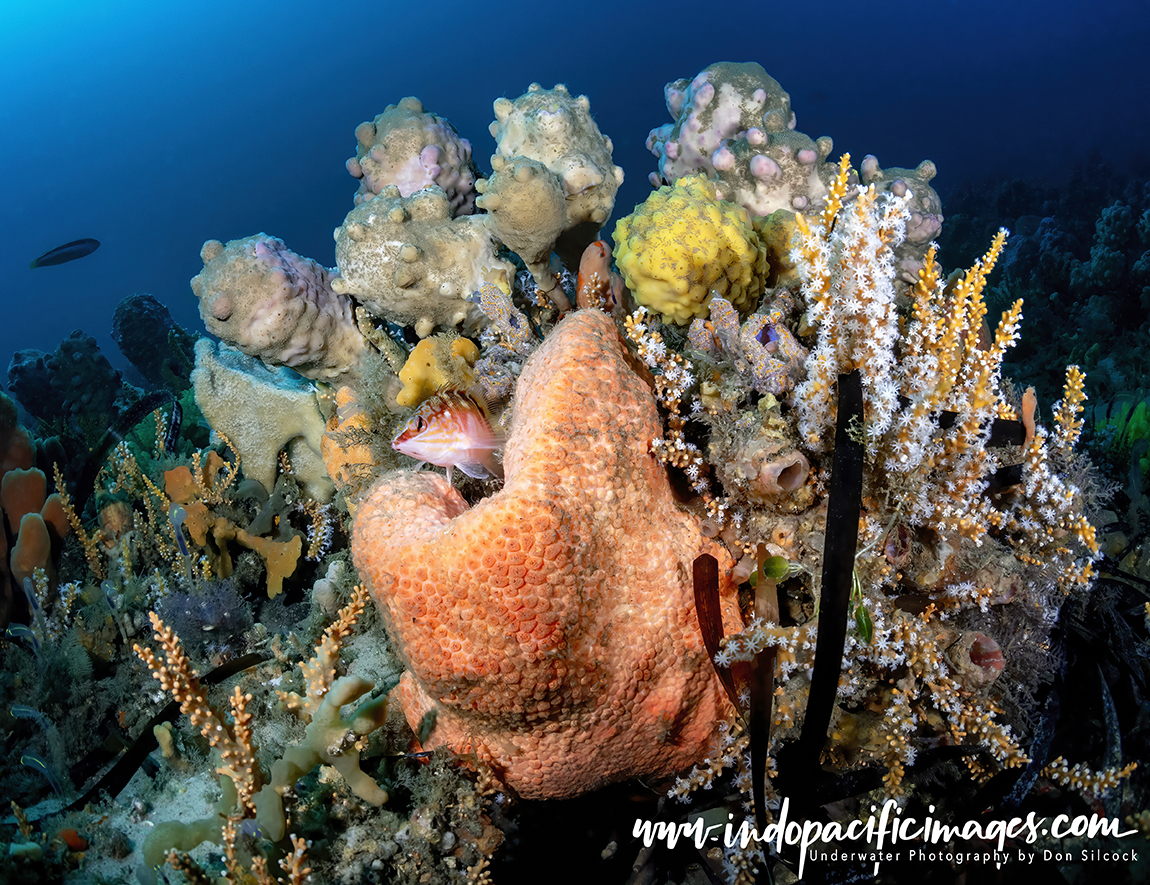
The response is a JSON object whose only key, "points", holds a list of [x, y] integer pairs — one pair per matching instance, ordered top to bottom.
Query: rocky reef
{"points": [[780, 387]]}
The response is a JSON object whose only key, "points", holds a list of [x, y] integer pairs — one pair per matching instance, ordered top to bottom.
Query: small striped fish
{"points": [[452, 429]]}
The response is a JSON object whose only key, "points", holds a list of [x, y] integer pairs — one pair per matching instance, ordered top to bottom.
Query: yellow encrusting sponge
{"points": [[682, 244]]}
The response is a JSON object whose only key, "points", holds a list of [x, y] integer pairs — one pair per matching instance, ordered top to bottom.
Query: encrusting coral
{"points": [[550, 629]]}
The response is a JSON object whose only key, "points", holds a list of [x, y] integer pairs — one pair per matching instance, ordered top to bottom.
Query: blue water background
{"points": [[155, 126]]}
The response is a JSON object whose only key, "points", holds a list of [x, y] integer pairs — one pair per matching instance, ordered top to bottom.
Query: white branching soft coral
{"points": [[845, 260]]}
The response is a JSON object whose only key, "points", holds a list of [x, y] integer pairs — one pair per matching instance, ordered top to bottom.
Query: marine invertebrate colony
{"points": [[949, 571], [506, 679]]}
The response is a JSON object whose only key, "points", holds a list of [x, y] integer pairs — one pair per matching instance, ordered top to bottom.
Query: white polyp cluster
{"points": [[847, 277]]}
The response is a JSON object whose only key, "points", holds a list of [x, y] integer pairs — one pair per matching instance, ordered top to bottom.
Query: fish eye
{"points": [[418, 423]]}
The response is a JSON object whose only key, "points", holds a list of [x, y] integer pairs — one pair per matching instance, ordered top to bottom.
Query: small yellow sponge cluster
{"points": [[683, 244], [443, 360]]}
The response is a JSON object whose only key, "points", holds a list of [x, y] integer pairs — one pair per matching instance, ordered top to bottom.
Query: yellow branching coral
{"points": [[1066, 412], [931, 474], [90, 545], [320, 669], [330, 738], [232, 741], [1091, 784]]}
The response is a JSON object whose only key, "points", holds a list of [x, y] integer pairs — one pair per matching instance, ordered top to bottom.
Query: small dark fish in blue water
{"points": [[68, 252]]}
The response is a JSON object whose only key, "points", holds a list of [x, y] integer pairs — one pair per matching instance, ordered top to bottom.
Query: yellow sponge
{"points": [[683, 244], [443, 360]]}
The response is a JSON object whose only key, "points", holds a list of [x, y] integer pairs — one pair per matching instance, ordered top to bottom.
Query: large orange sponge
{"points": [[551, 628]]}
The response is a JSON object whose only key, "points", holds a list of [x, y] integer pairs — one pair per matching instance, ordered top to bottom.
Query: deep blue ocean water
{"points": [[153, 127]]}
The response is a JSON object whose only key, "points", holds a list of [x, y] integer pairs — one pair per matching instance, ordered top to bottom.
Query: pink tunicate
{"points": [[759, 95], [704, 96], [756, 136], [671, 149], [807, 156], [354, 168], [764, 168], [898, 187], [898, 546], [976, 658]]}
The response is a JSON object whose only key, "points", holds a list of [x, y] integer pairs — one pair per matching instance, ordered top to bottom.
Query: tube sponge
{"points": [[683, 244]]}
